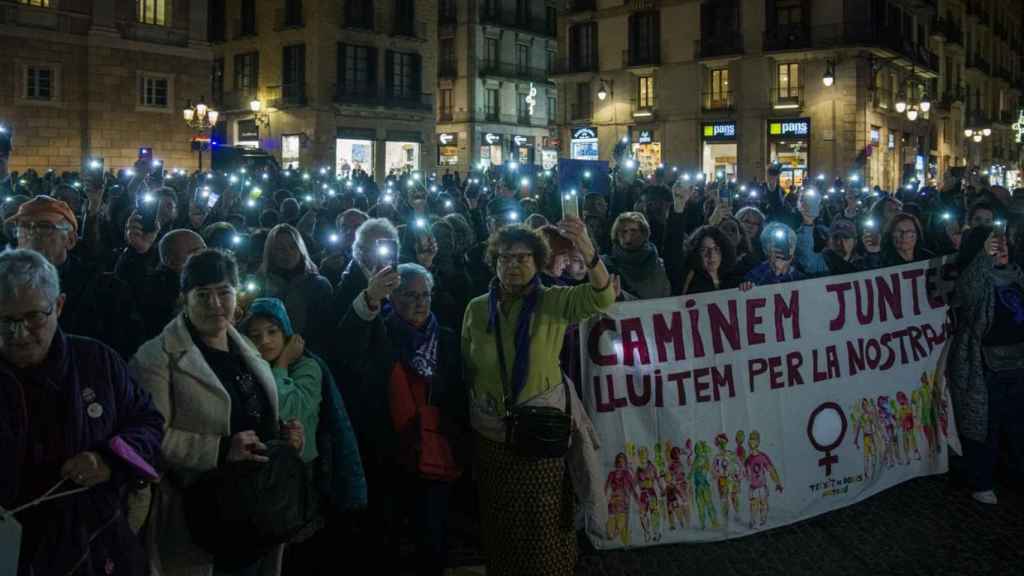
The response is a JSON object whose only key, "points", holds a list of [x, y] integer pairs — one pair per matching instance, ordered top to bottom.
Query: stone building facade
{"points": [[81, 78], [340, 84], [733, 86], [496, 102]]}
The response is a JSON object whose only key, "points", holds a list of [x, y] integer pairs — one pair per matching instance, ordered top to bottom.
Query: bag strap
{"points": [[506, 386]]}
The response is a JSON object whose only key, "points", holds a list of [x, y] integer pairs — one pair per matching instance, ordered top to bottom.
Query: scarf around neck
{"points": [[640, 270], [416, 347], [521, 364]]}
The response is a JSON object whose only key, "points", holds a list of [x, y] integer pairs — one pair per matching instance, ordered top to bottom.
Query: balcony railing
{"points": [[582, 5], [288, 19], [539, 26], [949, 30], [869, 33], [792, 37], [726, 43], [635, 58], [979, 63], [575, 65], [447, 69], [507, 70], [286, 96], [369, 96], [792, 97], [236, 100], [718, 101], [581, 111], [445, 115], [492, 115]]}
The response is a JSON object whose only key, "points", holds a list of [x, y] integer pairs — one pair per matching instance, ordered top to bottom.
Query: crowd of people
{"points": [[392, 347]]}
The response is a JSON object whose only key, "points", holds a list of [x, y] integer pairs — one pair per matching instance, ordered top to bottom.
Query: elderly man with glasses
{"points": [[98, 305], [73, 426]]}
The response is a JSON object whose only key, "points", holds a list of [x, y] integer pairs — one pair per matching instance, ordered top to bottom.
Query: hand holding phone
{"points": [[570, 204], [146, 206], [386, 253]]}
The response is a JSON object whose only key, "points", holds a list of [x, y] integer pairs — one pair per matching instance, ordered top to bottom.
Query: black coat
{"points": [[99, 305], [369, 357]]}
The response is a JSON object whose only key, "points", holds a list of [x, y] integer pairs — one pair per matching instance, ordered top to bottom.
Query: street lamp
{"points": [[830, 74], [602, 93], [901, 102], [926, 103], [912, 113], [200, 118], [262, 118], [986, 131]]}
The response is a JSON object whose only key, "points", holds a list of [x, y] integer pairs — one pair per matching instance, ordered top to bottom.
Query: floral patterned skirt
{"points": [[527, 510]]}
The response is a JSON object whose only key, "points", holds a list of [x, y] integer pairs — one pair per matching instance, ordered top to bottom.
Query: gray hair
{"points": [[372, 229], [165, 243], [21, 269], [408, 272]]}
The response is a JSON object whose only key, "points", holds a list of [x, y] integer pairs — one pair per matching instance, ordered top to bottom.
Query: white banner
{"points": [[733, 412]]}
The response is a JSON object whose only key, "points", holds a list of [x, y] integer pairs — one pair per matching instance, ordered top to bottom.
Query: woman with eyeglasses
{"points": [[902, 243], [711, 259], [511, 339], [219, 400]]}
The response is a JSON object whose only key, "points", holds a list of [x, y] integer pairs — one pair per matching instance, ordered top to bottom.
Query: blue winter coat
{"points": [[104, 411]]}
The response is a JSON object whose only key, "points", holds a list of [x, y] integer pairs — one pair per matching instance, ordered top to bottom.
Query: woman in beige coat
{"points": [[219, 400]]}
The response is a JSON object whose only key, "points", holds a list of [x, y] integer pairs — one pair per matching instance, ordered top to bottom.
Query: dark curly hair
{"points": [[518, 234], [694, 243]]}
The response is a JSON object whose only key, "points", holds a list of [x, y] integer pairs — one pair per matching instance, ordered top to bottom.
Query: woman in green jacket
{"points": [[526, 503]]}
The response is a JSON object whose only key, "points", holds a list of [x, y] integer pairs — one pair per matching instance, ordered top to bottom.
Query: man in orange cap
{"points": [[48, 226], [98, 305]]}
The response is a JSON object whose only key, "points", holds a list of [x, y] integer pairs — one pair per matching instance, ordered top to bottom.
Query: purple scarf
{"points": [[522, 342], [416, 347]]}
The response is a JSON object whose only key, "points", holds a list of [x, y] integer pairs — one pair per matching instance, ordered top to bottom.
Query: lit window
{"points": [[40, 3], [152, 12], [789, 81], [645, 92], [290, 150]]}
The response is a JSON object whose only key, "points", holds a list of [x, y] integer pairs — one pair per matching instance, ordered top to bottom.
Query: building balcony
{"points": [[575, 6], [285, 19], [537, 26], [948, 30], [153, 34], [870, 34], [793, 37], [717, 45], [641, 58], [979, 64], [575, 66], [447, 69], [513, 71], [287, 96], [952, 96], [370, 97], [787, 98], [236, 100], [718, 101], [581, 111], [492, 115], [445, 116]]}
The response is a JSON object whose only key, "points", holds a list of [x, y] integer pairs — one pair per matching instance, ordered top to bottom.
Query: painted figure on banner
{"points": [[925, 401], [906, 417], [887, 423], [864, 431], [741, 449], [759, 467], [728, 473], [700, 477], [650, 486], [677, 487], [620, 488]]}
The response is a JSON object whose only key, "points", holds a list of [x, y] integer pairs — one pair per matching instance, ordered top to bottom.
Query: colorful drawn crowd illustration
{"points": [[886, 429], [690, 485]]}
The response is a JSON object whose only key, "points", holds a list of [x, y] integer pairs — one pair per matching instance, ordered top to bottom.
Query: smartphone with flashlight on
{"points": [[145, 154], [157, 170], [92, 173], [212, 199], [812, 200], [570, 204], [146, 206], [999, 228], [387, 253]]}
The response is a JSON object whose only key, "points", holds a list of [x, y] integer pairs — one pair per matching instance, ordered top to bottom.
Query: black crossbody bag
{"points": [[533, 431]]}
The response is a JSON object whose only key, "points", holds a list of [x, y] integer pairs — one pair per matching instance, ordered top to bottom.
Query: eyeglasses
{"points": [[40, 229], [905, 233], [710, 251], [517, 257], [416, 297], [31, 321]]}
